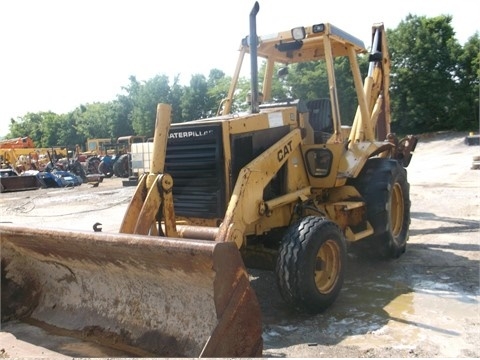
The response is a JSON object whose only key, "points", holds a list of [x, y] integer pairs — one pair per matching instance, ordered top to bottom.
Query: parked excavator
{"points": [[285, 179]]}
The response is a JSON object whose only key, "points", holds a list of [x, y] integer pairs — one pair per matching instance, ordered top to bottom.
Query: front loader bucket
{"points": [[19, 183], [162, 297]]}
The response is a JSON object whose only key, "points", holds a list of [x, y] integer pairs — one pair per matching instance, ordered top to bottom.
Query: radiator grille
{"points": [[195, 160]]}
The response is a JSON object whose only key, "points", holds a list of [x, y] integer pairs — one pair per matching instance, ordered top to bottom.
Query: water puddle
{"points": [[378, 308]]}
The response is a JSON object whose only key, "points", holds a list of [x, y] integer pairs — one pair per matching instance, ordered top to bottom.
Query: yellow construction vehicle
{"points": [[95, 146], [286, 180]]}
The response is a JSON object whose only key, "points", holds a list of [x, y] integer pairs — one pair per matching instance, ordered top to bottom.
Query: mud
{"points": [[424, 304]]}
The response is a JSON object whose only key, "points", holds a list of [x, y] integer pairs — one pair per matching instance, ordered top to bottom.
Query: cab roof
{"points": [[305, 44]]}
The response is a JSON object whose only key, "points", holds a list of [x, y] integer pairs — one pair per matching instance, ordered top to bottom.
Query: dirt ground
{"points": [[424, 304]]}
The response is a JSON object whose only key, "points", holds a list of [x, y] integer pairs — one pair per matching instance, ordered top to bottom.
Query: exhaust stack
{"points": [[253, 43]]}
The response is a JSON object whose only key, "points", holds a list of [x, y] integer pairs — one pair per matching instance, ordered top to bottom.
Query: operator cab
{"points": [[321, 42], [320, 118]]}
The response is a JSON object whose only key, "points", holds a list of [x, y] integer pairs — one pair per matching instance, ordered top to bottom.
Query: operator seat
{"points": [[320, 118]]}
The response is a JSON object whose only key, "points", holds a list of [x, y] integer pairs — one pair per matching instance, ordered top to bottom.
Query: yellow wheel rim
{"points": [[397, 210], [327, 266]]}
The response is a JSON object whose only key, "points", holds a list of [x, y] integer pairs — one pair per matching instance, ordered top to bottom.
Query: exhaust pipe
{"points": [[253, 43]]}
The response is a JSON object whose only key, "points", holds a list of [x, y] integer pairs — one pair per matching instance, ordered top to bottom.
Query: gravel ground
{"points": [[425, 304]]}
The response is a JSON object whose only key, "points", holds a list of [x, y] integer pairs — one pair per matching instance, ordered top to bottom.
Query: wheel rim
{"points": [[397, 210], [327, 266]]}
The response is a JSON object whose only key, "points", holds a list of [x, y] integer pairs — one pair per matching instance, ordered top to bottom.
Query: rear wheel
{"points": [[92, 165], [121, 166], [77, 169], [105, 169], [386, 191], [311, 264]]}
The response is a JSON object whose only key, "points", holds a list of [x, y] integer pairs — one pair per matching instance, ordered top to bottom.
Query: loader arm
{"points": [[153, 200], [151, 203], [246, 204]]}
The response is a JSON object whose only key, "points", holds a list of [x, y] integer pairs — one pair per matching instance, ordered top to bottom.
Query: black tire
{"points": [[92, 165], [121, 166], [77, 169], [104, 169], [383, 185], [311, 264]]}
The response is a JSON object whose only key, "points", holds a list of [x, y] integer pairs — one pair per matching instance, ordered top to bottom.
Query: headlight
{"points": [[318, 28], [298, 33]]}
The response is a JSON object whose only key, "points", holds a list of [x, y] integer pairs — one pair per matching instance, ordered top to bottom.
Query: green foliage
{"points": [[426, 76], [309, 81], [468, 85], [217, 90], [176, 94], [145, 100], [194, 100], [122, 108], [93, 120], [28, 125], [41, 127], [52, 130], [67, 132]]}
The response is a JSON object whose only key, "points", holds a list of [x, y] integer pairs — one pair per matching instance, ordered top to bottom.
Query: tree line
{"points": [[434, 87]]}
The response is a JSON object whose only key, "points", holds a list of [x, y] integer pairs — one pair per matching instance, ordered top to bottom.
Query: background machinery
{"points": [[17, 143], [110, 157], [285, 185]]}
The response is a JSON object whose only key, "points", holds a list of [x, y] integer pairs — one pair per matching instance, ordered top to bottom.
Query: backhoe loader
{"points": [[283, 186]]}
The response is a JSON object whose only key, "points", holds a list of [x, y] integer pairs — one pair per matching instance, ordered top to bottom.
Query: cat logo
{"points": [[283, 152]]}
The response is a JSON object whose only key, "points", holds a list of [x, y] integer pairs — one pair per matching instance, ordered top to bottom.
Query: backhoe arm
{"points": [[372, 119]]}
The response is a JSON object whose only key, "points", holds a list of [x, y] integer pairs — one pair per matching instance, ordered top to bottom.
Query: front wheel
{"points": [[311, 264]]}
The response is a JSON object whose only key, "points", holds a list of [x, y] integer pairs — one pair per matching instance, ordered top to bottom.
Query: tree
{"points": [[424, 74], [309, 81], [218, 85], [280, 85], [468, 85], [176, 94], [145, 101], [194, 102], [123, 107], [121, 110], [94, 120], [28, 125], [42, 127], [18, 128], [51, 129], [67, 131]]}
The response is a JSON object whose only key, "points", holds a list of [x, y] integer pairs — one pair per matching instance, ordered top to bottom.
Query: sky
{"points": [[59, 54]]}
